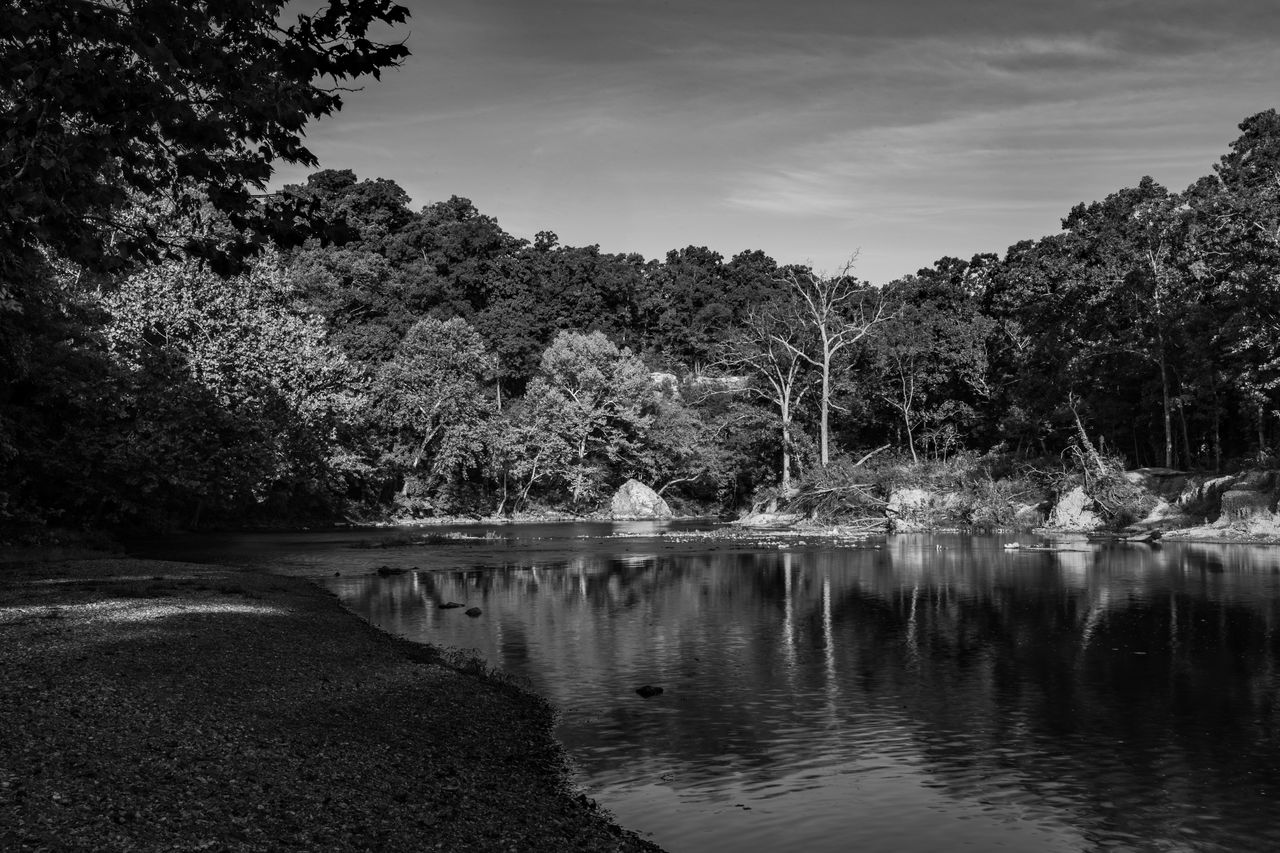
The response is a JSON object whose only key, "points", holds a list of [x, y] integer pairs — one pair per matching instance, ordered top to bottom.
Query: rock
{"points": [[666, 384], [1197, 491], [636, 500], [1240, 504], [908, 510], [1074, 511], [769, 520], [1264, 524], [388, 571], [449, 605], [473, 612], [648, 691]]}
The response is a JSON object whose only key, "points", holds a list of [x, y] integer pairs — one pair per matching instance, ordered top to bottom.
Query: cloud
{"points": [[645, 125]]}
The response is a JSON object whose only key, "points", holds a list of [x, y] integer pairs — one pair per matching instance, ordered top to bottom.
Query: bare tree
{"points": [[839, 311], [769, 350]]}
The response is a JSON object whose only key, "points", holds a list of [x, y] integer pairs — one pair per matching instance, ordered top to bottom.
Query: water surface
{"points": [[914, 693]]}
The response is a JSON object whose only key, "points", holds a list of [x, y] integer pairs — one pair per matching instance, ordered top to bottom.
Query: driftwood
{"points": [[1086, 446], [872, 453], [836, 500]]}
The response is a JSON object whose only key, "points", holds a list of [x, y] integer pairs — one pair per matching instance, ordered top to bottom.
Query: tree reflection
{"points": [[1126, 690]]}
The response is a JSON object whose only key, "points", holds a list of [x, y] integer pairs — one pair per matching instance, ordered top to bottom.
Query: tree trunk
{"points": [[826, 406], [1168, 415], [1217, 429], [1262, 431], [1186, 438], [1085, 444], [786, 459], [581, 469], [502, 504]]}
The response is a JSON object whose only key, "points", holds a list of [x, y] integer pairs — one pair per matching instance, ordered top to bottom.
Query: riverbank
{"points": [[171, 706]]}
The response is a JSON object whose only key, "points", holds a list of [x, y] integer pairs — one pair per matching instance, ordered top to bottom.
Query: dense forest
{"points": [[176, 350]]}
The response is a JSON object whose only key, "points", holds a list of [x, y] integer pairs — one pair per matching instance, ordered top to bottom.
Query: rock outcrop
{"points": [[636, 500], [1235, 507], [908, 510], [1074, 511], [769, 520]]}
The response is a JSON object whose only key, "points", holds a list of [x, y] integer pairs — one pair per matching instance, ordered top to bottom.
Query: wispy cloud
{"points": [[797, 128]]}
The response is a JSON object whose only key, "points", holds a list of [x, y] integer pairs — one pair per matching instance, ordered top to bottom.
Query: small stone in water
{"points": [[449, 605], [473, 612], [649, 690]]}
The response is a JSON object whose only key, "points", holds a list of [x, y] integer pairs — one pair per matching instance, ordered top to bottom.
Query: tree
{"points": [[106, 101], [114, 111], [1236, 246], [1125, 247], [544, 288], [839, 311], [1100, 311], [769, 348], [931, 353], [230, 396], [596, 396], [429, 401], [681, 446], [525, 448]]}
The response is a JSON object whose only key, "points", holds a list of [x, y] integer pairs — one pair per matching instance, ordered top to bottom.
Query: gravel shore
{"points": [[169, 706]]}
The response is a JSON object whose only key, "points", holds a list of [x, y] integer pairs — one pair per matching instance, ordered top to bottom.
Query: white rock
{"points": [[636, 500], [908, 510], [1074, 511]]}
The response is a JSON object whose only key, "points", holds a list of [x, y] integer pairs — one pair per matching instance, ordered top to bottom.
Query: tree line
{"points": [[179, 350]]}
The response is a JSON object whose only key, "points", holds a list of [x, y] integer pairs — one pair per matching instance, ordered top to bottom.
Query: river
{"points": [[904, 693]]}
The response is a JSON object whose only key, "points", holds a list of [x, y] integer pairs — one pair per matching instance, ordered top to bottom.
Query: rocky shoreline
{"points": [[1150, 503], [169, 706]]}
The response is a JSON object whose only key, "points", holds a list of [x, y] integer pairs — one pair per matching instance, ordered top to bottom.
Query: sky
{"points": [[899, 131]]}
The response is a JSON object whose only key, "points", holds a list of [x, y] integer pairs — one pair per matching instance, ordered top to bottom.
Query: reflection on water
{"points": [[914, 694]]}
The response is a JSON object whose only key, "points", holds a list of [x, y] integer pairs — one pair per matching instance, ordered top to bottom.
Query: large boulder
{"points": [[636, 500], [1241, 504], [909, 510], [1074, 511]]}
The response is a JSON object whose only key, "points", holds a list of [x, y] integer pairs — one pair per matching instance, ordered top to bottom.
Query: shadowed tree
{"points": [[103, 101], [114, 111], [1236, 259], [930, 356]]}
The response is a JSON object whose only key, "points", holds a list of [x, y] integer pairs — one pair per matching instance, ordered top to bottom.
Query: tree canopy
{"points": [[187, 104], [175, 350]]}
